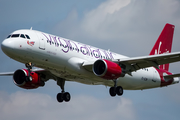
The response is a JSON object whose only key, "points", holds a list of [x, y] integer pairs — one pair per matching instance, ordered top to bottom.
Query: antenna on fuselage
{"points": [[31, 28]]}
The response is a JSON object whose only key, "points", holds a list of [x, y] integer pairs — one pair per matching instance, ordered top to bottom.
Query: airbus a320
{"points": [[48, 57]]}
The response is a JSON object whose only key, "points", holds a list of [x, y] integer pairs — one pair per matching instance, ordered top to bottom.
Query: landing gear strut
{"points": [[29, 68], [29, 77], [116, 89], [63, 96]]}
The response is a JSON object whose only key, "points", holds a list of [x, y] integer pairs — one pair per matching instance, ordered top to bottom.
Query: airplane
{"points": [[48, 57]]}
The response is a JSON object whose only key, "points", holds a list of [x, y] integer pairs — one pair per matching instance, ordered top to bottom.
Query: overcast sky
{"points": [[128, 27]]}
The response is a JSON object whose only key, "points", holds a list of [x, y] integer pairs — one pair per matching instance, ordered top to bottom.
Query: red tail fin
{"points": [[164, 43]]}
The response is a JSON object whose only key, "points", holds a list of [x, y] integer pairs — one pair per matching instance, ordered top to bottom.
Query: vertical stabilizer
{"points": [[164, 43]]}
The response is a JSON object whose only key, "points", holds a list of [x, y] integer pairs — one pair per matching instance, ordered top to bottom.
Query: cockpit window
{"points": [[15, 35], [19, 35], [22, 35], [9, 36], [27, 36]]}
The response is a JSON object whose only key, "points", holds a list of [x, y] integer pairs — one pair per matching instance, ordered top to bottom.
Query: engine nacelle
{"points": [[107, 69], [21, 79]]}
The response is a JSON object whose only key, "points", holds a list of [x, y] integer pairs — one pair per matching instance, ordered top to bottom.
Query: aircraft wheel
{"points": [[119, 90], [112, 91], [59, 97], [66, 97]]}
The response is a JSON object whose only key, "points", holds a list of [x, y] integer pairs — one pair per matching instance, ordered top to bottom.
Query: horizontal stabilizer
{"points": [[172, 76]]}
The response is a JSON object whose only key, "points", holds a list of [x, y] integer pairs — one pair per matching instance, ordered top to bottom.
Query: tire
{"points": [[119, 90], [112, 91], [59, 97], [66, 97]]}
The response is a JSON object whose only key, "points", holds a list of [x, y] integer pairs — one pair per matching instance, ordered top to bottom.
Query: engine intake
{"points": [[107, 69], [21, 79]]}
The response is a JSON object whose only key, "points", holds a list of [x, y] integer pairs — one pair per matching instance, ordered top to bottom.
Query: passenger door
{"points": [[41, 41]]}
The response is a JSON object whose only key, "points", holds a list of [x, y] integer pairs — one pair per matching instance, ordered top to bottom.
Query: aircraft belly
{"points": [[89, 79], [134, 82]]}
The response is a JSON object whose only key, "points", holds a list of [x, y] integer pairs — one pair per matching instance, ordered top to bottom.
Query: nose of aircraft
{"points": [[7, 46]]}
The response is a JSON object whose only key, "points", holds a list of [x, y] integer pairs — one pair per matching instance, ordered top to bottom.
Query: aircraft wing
{"points": [[136, 63], [11, 73], [6, 74]]}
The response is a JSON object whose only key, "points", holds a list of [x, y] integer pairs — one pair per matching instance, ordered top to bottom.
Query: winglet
{"points": [[164, 43]]}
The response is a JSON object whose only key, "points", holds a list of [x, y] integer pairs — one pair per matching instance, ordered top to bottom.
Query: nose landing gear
{"points": [[29, 68]]}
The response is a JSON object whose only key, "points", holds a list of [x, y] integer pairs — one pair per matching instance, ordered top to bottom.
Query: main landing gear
{"points": [[116, 89], [63, 96]]}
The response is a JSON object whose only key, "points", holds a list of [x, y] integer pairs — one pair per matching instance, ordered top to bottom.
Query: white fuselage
{"points": [[64, 58]]}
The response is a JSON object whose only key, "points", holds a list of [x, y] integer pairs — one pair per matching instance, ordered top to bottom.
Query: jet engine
{"points": [[107, 69], [23, 79]]}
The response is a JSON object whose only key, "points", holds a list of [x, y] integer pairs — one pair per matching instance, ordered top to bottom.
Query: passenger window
{"points": [[15, 35], [22, 35], [9, 36], [27, 37]]}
